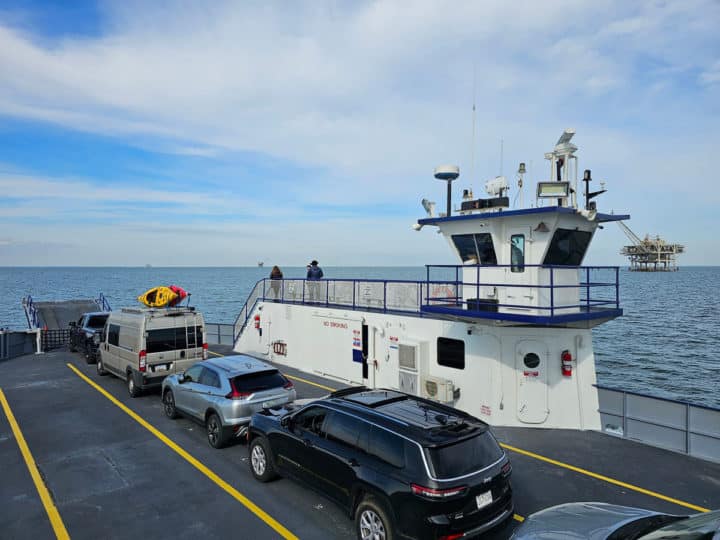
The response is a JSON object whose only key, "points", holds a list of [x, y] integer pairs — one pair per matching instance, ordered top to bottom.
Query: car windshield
{"points": [[97, 321], [262, 380], [466, 456], [697, 527]]}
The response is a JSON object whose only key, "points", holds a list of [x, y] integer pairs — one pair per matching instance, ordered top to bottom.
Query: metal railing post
{"points": [[587, 285], [354, 287], [617, 287], [552, 291], [385, 296]]}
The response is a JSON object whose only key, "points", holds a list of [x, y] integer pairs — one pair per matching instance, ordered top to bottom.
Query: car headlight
{"points": [[96, 339]]}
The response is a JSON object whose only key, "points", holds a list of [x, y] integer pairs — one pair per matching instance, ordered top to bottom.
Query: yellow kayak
{"points": [[157, 297]]}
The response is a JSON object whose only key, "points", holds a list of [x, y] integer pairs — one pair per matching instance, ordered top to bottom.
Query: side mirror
{"points": [[181, 377], [286, 421]]}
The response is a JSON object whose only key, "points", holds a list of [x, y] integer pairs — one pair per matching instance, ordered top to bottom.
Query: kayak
{"points": [[181, 295], [158, 297]]}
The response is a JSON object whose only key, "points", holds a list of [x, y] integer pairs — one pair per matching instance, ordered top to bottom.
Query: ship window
{"points": [[475, 246], [568, 247], [517, 253], [451, 353], [531, 360]]}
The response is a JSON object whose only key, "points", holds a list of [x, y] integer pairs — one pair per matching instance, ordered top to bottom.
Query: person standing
{"points": [[314, 275], [276, 276]]}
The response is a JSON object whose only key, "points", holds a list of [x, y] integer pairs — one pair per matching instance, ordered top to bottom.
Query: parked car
{"points": [[85, 334], [143, 346], [223, 393], [400, 465], [601, 521]]}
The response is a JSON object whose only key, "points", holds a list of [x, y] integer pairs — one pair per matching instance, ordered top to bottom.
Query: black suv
{"points": [[85, 334], [402, 466]]}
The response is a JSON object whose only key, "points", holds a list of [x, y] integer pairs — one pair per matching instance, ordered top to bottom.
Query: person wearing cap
{"points": [[314, 274]]}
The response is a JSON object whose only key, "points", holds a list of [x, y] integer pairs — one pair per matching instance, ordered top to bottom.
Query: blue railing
{"points": [[563, 294], [103, 303], [31, 312]]}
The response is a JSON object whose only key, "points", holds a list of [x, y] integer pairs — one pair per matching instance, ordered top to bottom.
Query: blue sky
{"points": [[185, 133]]}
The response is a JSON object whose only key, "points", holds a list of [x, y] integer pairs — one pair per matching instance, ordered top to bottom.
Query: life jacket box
{"points": [[482, 304]]}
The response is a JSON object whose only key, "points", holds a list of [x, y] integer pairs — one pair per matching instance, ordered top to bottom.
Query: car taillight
{"points": [[205, 351], [142, 362], [288, 385], [235, 394], [506, 469], [432, 493], [452, 536]]}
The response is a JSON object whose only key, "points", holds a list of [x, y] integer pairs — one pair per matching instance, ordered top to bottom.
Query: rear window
{"points": [[97, 321], [171, 339], [256, 382], [465, 457]]}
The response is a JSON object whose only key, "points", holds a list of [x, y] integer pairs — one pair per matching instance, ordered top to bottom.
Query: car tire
{"points": [[88, 356], [100, 368], [132, 389], [169, 405], [214, 430], [261, 461], [372, 522]]}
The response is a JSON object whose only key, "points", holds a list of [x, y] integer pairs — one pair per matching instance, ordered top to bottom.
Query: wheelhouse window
{"points": [[475, 246], [568, 247], [517, 253], [451, 353]]}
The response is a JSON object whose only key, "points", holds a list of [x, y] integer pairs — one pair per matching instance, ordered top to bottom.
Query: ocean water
{"points": [[666, 344]]}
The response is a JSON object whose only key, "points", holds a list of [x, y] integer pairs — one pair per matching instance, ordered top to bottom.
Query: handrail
{"points": [[445, 297], [103, 303], [31, 313]]}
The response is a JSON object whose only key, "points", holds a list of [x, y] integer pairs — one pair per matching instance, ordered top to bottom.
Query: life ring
{"points": [[440, 293]]}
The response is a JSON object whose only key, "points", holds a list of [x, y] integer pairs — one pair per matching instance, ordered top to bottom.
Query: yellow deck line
{"points": [[310, 382], [565, 466], [604, 478], [242, 499], [52, 511]]}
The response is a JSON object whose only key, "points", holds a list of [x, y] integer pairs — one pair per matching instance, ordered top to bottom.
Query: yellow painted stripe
{"points": [[216, 354], [310, 382], [565, 466], [605, 478], [242, 499], [52, 511], [518, 517]]}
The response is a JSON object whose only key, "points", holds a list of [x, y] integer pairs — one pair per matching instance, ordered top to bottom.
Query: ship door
{"points": [[519, 293], [365, 351], [531, 358]]}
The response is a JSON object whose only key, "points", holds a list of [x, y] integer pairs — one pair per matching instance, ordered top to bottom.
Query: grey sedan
{"points": [[223, 393], [600, 521]]}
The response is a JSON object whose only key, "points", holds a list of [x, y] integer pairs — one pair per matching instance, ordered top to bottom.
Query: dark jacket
{"points": [[315, 272], [276, 275]]}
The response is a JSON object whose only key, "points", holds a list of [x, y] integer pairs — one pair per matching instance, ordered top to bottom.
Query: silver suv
{"points": [[223, 393]]}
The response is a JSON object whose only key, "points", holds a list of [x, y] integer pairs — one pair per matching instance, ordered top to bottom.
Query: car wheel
{"points": [[88, 356], [100, 369], [133, 390], [169, 405], [214, 429], [261, 462], [372, 522]]}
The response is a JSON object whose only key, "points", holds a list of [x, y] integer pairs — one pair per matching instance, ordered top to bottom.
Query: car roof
{"points": [[238, 364], [428, 422]]}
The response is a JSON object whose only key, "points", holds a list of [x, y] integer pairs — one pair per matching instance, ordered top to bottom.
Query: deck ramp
{"points": [[58, 315]]}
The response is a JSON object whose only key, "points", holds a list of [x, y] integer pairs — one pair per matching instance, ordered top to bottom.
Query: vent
{"points": [[407, 357]]}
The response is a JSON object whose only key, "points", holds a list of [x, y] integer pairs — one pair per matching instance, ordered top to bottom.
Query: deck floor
{"points": [[111, 477]]}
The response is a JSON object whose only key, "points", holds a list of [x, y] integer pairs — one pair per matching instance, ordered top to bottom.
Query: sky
{"points": [[226, 133]]}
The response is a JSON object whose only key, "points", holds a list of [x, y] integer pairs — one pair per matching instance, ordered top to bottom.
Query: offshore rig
{"points": [[650, 254]]}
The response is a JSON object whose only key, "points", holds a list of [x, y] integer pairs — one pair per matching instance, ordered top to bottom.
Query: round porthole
{"points": [[531, 360]]}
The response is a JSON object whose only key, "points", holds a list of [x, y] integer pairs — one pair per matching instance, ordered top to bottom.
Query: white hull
{"points": [[495, 384]]}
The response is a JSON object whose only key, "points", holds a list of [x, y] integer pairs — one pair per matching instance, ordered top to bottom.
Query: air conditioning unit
{"points": [[437, 389]]}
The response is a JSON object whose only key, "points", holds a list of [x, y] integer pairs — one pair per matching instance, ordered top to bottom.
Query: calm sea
{"points": [[666, 343]]}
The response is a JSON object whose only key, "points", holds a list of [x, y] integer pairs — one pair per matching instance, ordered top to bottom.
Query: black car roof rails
{"points": [[347, 391]]}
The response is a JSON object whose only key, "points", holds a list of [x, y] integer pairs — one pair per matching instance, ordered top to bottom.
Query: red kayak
{"points": [[181, 295]]}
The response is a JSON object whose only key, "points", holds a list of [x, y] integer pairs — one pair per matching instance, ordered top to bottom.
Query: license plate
{"points": [[161, 367], [483, 499]]}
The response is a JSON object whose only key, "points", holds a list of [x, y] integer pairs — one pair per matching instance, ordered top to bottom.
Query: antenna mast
{"points": [[472, 150]]}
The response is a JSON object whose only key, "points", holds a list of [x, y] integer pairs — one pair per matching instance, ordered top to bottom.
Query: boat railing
{"points": [[558, 295], [103, 303], [31, 312]]}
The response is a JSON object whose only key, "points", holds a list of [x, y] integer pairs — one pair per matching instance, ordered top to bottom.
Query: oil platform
{"points": [[650, 254]]}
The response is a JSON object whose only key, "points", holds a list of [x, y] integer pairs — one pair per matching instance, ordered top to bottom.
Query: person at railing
{"points": [[314, 275], [276, 276]]}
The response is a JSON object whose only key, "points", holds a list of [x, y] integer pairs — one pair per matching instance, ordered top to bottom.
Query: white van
{"points": [[143, 346]]}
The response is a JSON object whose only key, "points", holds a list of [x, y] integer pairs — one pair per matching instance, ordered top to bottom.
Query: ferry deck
{"points": [[81, 459]]}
